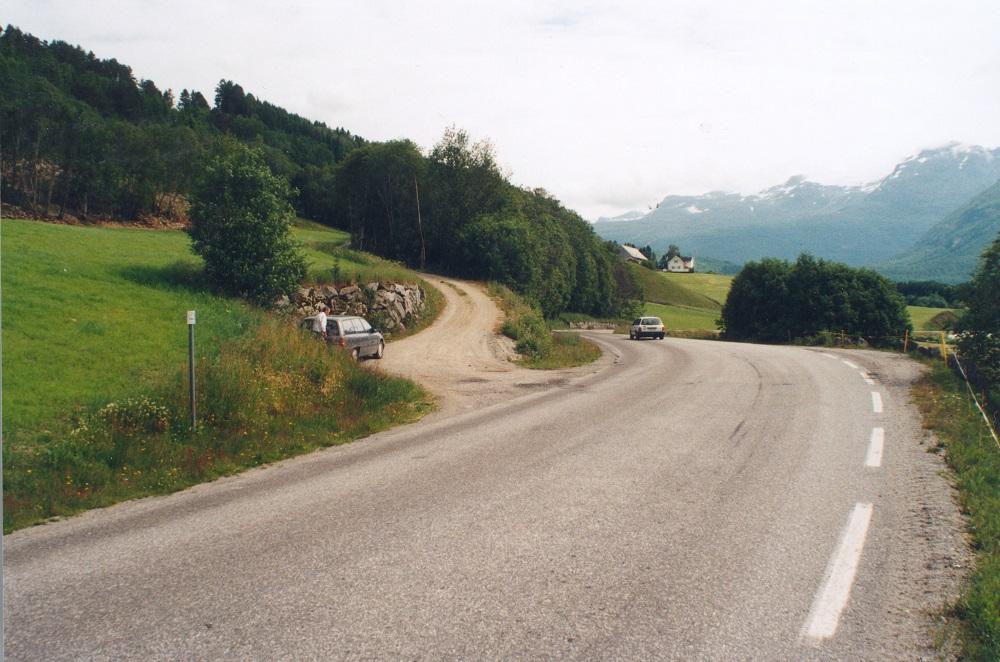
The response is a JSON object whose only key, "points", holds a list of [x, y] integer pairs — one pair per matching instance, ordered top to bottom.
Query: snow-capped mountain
{"points": [[859, 225]]}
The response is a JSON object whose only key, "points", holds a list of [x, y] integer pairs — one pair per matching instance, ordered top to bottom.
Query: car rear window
{"points": [[650, 321]]}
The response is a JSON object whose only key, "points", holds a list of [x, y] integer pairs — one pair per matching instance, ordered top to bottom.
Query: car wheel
{"points": [[380, 352], [355, 354]]}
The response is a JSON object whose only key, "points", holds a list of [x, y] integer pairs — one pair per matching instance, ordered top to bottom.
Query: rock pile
{"points": [[388, 306], [587, 325]]}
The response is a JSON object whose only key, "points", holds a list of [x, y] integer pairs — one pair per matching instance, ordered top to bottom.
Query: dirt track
{"points": [[462, 359]]}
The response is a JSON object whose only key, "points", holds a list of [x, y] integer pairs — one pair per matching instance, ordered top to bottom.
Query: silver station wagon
{"points": [[646, 327], [352, 333]]}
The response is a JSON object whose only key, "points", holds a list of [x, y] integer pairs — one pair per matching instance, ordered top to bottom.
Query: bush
{"points": [[241, 225], [774, 301]]}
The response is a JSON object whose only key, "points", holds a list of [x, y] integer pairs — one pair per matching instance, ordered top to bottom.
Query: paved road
{"points": [[693, 500]]}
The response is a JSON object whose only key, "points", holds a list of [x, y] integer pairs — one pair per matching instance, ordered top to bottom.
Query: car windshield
{"points": [[651, 321]]}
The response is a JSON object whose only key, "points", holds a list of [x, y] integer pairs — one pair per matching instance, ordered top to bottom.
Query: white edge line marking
{"points": [[849, 364], [868, 380], [876, 402], [874, 458], [824, 617]]}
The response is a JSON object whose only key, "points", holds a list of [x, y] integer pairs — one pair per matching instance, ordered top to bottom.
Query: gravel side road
{"points": [[463, 360]]}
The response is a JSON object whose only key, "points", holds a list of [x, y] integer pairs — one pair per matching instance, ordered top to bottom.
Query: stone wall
{"points": [[388, 306]]}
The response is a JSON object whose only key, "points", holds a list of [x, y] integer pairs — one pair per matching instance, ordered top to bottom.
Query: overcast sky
{"points": [[609, 106]]}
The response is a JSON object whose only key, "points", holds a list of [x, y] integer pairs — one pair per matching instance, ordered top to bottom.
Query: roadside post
{"points": [[190, 323], [906, 340], [944, 347]]}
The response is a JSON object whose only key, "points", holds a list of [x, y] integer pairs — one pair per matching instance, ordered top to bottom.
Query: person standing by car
{"points": [[319, 322]]}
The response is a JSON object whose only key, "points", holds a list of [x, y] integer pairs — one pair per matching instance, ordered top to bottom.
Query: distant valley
{"points": [[920, 221]]}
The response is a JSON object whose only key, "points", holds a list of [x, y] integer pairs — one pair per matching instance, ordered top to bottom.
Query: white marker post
{"points": [[191, 321]]}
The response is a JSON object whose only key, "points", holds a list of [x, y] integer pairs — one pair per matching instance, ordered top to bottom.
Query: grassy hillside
{"points": [[950, 250], [713, 286], [671, 289], [685, 302], [90, 312], [679, 318], [95, 351]]}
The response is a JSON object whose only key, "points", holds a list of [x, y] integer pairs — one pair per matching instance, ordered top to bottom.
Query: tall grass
{"points": [[539, 347], [271, 394], [975, 459]]}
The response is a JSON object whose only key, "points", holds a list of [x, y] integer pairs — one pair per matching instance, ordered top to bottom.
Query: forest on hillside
{"points": [[86, 137]]}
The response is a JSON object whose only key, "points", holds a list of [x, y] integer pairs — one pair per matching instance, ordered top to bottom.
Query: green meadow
{"points": [[89, 313], [95, 349]]}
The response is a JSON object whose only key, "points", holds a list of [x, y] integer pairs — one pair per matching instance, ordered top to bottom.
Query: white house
{"points": [[632, 254], [680, 264]]}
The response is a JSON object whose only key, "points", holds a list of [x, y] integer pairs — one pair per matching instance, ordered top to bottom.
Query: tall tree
{"points": [[464, 180], [376, 199], [241, 225], [979, 328]]}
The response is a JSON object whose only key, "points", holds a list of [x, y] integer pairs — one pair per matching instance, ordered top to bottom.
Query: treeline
{"points": [[84, 136], [455, 210], [933, 294], [776, 301]]}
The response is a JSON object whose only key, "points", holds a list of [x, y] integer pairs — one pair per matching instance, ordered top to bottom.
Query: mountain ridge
{"points": [[862, 225], [949, 251]]}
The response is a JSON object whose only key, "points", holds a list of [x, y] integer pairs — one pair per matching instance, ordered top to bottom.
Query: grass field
{"points": [[326, 249], [711, 286], [663, 288], [685, 302], [90, 312], [95, 318], [681, 318], [930, 319]]}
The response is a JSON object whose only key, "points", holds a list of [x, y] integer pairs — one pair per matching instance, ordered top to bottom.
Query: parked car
{"points": [[646, 327], [352, 333]]}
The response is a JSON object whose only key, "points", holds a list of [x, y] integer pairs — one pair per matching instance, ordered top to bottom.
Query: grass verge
{"points": [[539, 347], [269, 395], [975, 459]]}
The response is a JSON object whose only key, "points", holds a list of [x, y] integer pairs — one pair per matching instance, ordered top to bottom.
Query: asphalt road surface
{"points": [[689, 500]]}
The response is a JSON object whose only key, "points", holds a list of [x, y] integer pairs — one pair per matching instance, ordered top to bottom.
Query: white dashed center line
{"points": [[849, 364], [868, 380], [876, 402], [874, 458], [824, 617]]}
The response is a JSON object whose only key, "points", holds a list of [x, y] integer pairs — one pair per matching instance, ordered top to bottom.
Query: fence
{"points": [[981, 391]]}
